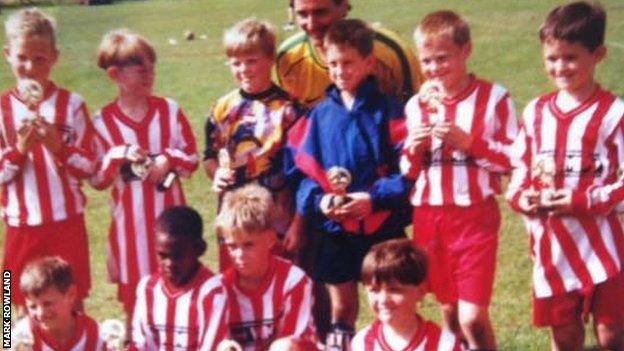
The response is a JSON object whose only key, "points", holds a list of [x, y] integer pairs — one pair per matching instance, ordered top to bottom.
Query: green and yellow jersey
{"points": [[301, 72]]}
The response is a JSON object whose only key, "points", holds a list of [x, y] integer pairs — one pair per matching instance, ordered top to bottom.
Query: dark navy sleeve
{"points": [[392, 191]]}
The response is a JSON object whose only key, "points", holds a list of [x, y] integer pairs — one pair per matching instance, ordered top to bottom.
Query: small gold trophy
{"points": [[31, 93], [430, 94], [224, 158], [544, 171], [339, 179], [114, 334]]}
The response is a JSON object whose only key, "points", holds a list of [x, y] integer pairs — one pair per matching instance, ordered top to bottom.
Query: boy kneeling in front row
{"points": [[393, 273]]}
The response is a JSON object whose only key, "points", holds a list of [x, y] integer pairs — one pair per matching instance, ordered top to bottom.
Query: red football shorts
{"points": [[67, 239], [461, 244], [605, 302]]}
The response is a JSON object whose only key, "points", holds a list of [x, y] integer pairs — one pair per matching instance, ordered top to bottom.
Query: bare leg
{"points": [[344, 302], [475, 325], [610, 336]]}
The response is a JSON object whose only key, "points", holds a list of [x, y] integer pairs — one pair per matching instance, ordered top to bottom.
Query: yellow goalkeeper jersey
{"points": [[301, 73]]}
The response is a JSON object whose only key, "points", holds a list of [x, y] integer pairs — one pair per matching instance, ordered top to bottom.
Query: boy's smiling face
{"points": [[31, 57], [444, 61], [570, 66], [347, 67], [252, 71], [393, 302], [51, 309]]}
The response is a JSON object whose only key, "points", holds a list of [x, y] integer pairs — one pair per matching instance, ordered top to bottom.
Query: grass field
{"points": [[506, 50]]}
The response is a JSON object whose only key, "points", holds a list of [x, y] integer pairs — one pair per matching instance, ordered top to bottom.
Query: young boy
{"points": [[460, 129], [246, 131], [45, 143], [144, 144], [566, 184], [353, 192], [393, 273], [50, 292], [268, 297], [179, 307]]}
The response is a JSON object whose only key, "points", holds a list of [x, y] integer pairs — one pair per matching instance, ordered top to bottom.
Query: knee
{"points": [[449, 316], [476, 321], [476, 325], [609, 337]]}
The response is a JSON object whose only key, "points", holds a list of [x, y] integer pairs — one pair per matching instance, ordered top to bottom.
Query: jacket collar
{"points": [[365, 93]]}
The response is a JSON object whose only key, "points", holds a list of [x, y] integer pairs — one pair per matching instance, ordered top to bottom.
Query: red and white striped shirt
{"points": [[586, 144], [447, 176], [40, 187], [136, 204], [281, 307], [185, 318], [86, 338], [428, 338]]}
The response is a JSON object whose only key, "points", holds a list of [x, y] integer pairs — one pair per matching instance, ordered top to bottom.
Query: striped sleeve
{"points": [[493, 152], [182, 154], [78, 155], [108, 157], [11, 162], [410, 163], [521, 169], [602, 199], [215, 316], [297, 319]]}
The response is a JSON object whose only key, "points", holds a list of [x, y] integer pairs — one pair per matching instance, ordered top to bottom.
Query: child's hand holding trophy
{"points": [[30, 93], [430, 94], [544, 172], [224, 175], [339, 179]]}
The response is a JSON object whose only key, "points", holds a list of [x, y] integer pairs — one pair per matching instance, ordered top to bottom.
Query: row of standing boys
{"points": [[340, 179]]}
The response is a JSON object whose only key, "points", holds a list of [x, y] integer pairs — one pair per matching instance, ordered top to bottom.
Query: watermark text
{"points": [[6, 309]]}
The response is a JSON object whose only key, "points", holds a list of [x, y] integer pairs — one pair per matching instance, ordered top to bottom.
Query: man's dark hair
{"points": [[291, 3], [578, 22]]}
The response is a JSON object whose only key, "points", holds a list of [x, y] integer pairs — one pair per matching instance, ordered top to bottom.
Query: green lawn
{"points": [[506, 50]]}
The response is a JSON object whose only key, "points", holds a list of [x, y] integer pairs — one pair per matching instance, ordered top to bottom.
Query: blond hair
{"points": [[30, 22], [443, 24], [250, 36], [123, 47], [247, 209], [45, 273]]}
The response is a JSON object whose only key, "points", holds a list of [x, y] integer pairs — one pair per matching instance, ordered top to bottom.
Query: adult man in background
{"points": [[300, 64]]}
